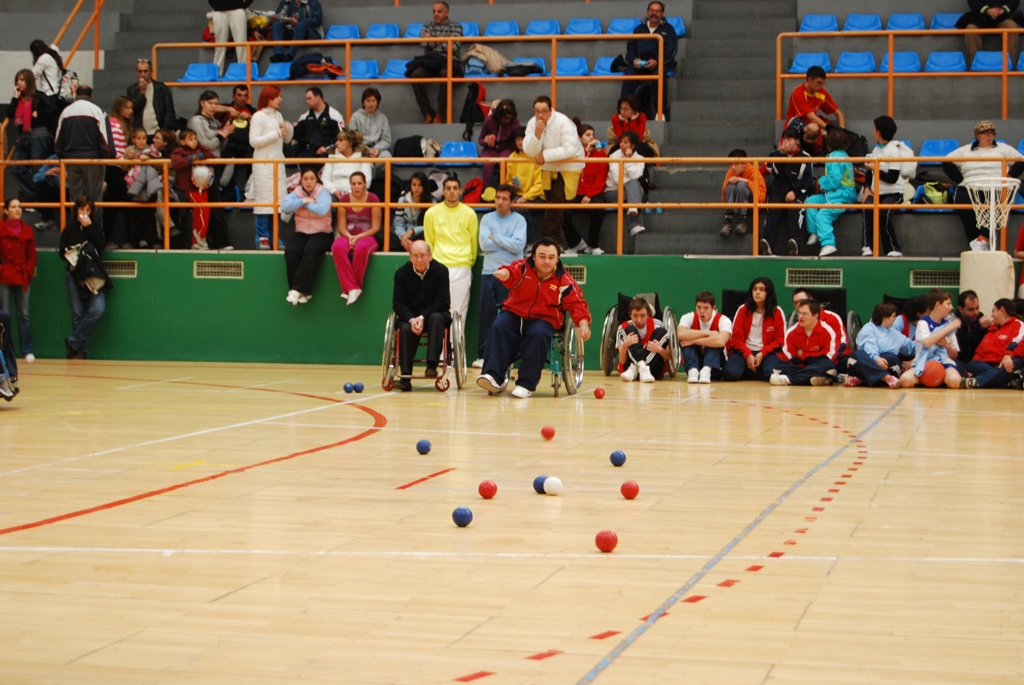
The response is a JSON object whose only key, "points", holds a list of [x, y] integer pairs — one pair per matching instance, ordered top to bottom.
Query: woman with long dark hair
{"points": [[47, 67], [27, 111], [213, 136], [497, 136], [115, 219], [408, 223], [17, 268], [86, 280], [758, 333]]}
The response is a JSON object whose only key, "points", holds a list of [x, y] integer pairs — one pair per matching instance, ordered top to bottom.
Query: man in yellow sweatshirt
{"points": [[450, 228]]}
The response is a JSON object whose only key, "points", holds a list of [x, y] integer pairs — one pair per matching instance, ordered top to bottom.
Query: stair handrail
{"points": [[94, 23]]}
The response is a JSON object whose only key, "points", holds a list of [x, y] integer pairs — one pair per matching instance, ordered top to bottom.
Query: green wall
{"points": [[166, 314]]}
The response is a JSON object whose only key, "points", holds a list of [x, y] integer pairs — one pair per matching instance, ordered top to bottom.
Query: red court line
{"points": [[423, 479], [728, 583], [693, 599], [605, 635], [545, 655], [474, 676]]}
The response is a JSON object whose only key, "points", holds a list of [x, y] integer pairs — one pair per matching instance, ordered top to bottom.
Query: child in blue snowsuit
{"points": [[838, 187]]}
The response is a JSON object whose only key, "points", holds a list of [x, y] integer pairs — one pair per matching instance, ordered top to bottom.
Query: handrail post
{"points": [[67, 23], [96, 36], [892, 66], [248, 69], [554, 70], [778, 77], [661, 78], [348, 79], [1006, 80], [448, 81], [63, 195], [387, 203], [167, 205], [620, 210], [876, 210], [755, 216], [276, 218], [1003, 229]]}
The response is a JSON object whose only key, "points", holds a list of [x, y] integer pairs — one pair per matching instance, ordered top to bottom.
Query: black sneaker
{"points": [[794, 247], [766, 249], [431, 372], [969, 383], [1016, 383], [403, 384]]}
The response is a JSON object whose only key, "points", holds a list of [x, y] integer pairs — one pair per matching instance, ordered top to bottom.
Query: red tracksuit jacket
{"points": [[531, 298], [773, 332], [1000, 341], [800, 348]]}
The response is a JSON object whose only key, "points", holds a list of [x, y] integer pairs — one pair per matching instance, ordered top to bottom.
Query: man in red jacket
{"points": [[540, 292], [809, 350], [999, 357]]}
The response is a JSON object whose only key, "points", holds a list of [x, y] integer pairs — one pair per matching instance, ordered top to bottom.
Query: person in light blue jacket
{"points": [[837, 187], [879, 348]]}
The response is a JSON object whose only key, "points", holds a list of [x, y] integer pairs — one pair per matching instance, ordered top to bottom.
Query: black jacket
{"points": [[228, 5], [980, 5], [648, 49], [163, 105], [44, 116], [83, 132], [315, 132], [796, 177], [89, 263], [415, 296]]}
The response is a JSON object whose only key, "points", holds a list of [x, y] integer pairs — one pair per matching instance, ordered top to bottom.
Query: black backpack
{"points": [[473, 111]]}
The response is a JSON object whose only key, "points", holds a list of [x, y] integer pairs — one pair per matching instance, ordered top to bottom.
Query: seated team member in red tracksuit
{"points": [[540, 291], [758, 333], [704, 336], [642, 343], [809, 350], [1000, 356], [843, 357]]}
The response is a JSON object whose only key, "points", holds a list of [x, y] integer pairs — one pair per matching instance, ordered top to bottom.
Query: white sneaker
{"points": [[286, 217], [639, 228], [812, 239], [199, 242], [264, 244], [581, 247], [595, 250], [826, 250], [866, 252], [895, 253], [353, 295], [292, 296], [303, 299], [30, 357], [478, 364], [645, 373], [629, 374], [705, 375], [693, 376], [779, 379], [819, 381], [488, 384], [521, 392]]}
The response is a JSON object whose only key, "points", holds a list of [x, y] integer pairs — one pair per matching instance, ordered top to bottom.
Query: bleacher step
{"points": [[744, 9], [737, 30], [726, 69]]}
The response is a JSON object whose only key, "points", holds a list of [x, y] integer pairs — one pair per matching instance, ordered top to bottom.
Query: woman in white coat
{"points": [[268, 132], [337, 170]]}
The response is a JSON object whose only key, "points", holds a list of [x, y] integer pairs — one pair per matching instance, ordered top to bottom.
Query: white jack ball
{"points": [[553, 486]]}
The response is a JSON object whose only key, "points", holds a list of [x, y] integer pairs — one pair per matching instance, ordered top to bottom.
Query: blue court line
{"points": [[627, 642]]}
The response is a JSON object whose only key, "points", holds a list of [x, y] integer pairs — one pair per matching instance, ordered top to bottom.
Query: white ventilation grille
{"points": [[121, 268], [216, 269], [578, 272], [814, 278], [934, 278]]}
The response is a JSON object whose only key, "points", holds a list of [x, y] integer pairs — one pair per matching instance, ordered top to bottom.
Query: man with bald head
{"points": [[421, 302]]}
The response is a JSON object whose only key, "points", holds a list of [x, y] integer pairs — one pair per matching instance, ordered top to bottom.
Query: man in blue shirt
{"points": [[642, 55], [502, 239]]}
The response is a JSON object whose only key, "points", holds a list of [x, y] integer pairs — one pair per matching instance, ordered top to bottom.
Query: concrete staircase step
{"points": [[744, 9], [160, 22], [738, 30], [698, 48], [730, 68], [712, 88], [723, 110], [655, 243]]}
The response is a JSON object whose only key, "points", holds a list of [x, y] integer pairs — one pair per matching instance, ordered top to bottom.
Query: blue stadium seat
{"points": [[945, 20], [819, 22], [863, 22], [906, 22], [677, 24], [616, 26], [543, 27], [583, 27], [470, 28], [502, 28], [413, 30], [382, 31], [342, 32], [987, 60], [802, 61], [946, 61], [540, 62], [905, 62], [855, 63], [572, 66], [604, 67], [364, 68], [395, 68], [277, 71], [236, 72], [200, 73], [1020, 146], [937, 148], [454, 150]]}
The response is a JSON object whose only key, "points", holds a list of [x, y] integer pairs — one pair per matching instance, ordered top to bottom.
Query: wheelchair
{"points": [[834, 300], [619, 314], [453, 355], [565, 359]]}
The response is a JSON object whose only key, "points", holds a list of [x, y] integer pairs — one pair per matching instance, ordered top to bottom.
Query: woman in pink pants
{"points": [[357, 229]]}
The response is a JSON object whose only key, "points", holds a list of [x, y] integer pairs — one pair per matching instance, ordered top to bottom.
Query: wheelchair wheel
{"points": [[793, 315], [668, 317], [853, 327], [608, 334], [457, 340], [572, 357], [390, 360]]}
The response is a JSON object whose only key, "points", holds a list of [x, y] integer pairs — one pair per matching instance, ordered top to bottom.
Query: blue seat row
{"points": [[872, 22], [536, 27], [904, 62]]}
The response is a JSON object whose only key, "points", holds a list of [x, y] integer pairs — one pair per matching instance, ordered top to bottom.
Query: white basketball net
{"points": [[992, 199]]}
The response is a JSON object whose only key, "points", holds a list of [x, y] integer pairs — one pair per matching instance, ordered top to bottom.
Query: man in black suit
{"points": [[421, 302]]}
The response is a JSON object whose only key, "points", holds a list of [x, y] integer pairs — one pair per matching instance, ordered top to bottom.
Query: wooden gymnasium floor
{"points": [[221, 524]]}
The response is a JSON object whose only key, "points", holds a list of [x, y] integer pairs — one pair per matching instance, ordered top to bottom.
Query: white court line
{"points": [[142, 385], [261, 385], [188, 435], [497, 555]]}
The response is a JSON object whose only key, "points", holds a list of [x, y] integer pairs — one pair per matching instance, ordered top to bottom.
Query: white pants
{"points": [[224, 23], [460, 279]]}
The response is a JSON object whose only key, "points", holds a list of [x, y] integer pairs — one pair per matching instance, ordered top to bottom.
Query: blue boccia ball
{"points": [[349, 387], [358, 387], [423, 446], [618, 458], [538, 484], [462, 516]]}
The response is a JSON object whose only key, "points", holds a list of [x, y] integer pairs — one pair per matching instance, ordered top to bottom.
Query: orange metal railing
{"points": [[93, 23], [892, 75], [448, 81]]}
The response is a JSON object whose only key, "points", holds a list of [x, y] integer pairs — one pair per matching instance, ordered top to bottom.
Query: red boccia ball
{"points": [[599, 393], [548, 432], [488, 489], [630, 489], [606, 540]]}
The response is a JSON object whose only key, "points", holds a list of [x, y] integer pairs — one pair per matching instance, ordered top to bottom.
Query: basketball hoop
{"points": [[992, 199]]}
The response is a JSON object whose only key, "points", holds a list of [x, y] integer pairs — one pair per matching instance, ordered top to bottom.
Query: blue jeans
{"points": [[304, 30], [35, 147], [492, 296], [21, 303], [84, 315], [511, 335], [697, 357], [736, 368], [869, 371], [802, 375], [992, 375]]}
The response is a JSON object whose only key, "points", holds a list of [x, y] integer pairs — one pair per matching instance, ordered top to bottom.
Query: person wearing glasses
{"points": [[642, 55], [154, 104]]}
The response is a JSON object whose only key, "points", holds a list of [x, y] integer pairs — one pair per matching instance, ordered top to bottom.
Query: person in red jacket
{"points": [[190, 153], [590, 189], [17, 267], [540, 293], [833, 321], [758, 333], [809, 350], [999, 357]]}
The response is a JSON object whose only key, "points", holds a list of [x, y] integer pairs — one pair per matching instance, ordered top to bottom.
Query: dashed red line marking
{"points": [[858, 462], [851, 469], [424, 479], [840, 482], [834, 490], [826, 499], [817, 508], [810, 518], [801, 531], [789, 542], [775, 555], [754, 569], [728, 583], [693, 599], [645, 618], [605, 635], [545, 655], [474, 676]]}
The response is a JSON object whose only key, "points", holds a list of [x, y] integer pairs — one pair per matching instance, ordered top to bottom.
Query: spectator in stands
{"points": [[985, 15], [295, 20], [229, 23], [642, 55], [434, 62], [47, 67], [152, 101], [810, 103], [29, 112], [629, 117], [374, 126], [317, 129], [83, 132], [268, 132], [214, 136], [498, 137], [551, 140], [812, 141], [237, 144], [984, 145], [185, 159], [345, 161], [528, 179], [742, 181], [46, 182], [791, 183], [892, 183], [837, 187], [115, 188], [590, 189], [631, 189], [142, 221], [408, 221], [450, 228], [357, 230], [502, 239], [305, 248], [17, 268], [86, 280], [540, 292], [421, 301], [910, 313], [832, 320], [973, 326], [758, 333], [704, 337], [936, 341], [643, 344], [880, 347], [808, 351], [999, 357], [8, 364]]}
